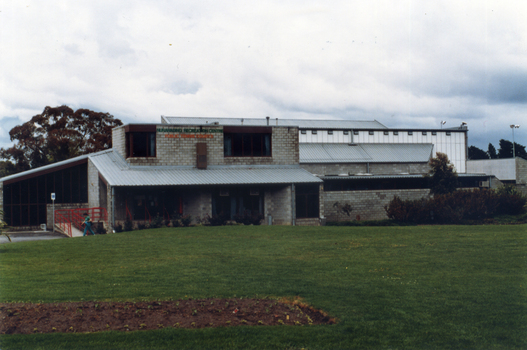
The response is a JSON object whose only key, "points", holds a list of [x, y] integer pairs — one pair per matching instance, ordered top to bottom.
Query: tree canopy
{"points": [[58, 133], [505, 151], [477, 153], [442, 175]]}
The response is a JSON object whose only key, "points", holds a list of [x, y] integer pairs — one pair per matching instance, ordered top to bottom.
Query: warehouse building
{"points": [[290, 172]]}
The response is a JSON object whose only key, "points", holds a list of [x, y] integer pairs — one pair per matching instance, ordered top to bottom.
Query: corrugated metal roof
{"points": [[301, 123], [365, 152], [46, 167], [117, 172], [394, 176]]}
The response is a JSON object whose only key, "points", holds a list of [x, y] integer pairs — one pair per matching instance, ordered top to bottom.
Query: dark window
{"points": [[303, 132], [314, 132], [330, 132], [346, 132], [355, 132], [370, 132], [424, 132], [386, 133], [396, 133], [410, 133], [434, 133], [448, 133], [141, 144], [247, 145], [237, 201], [307, 201]]}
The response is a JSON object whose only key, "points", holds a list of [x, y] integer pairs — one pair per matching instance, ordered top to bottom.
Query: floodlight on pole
{"points": [[443, 122], [513, 126]]}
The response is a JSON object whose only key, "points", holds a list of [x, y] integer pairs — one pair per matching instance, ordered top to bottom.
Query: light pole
{"points": [[443, 122], [513, 126]]}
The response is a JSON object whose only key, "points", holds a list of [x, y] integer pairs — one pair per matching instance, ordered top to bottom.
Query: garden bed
{"points": [[26, 318]]}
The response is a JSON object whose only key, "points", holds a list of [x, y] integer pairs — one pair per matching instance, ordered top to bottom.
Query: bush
{"points": [[457, 207], [248, 218], [186, 220], [218, 220], [157, 222], [128, 224], [99, 228], [118, 228]]}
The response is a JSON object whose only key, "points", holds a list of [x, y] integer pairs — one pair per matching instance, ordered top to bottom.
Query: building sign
{"points": [[189, 133]]}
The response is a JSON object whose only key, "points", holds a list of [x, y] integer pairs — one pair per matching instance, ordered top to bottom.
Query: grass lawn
{"points": [[421, 287]]}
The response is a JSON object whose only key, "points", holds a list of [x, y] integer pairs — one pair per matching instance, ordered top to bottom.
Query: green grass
{"points": [[419, 287]]}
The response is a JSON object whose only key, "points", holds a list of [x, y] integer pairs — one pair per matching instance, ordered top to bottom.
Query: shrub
{"points": [[457, 207], [248, 218], [186, 220], [218, 220], [157, 222], [128, 224], [99, 228], [118, 228]]}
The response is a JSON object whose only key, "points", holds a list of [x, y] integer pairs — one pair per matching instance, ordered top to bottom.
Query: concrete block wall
{"points": [[119, 140], [179, 148], [374, 168], [521, 171], [93, 185], [197, 204], [278, 205], [369, 205], [49, 210]]}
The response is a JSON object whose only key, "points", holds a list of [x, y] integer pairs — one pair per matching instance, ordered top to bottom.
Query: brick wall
{"points": [[521, 171], [197, 204], [369, 205]]}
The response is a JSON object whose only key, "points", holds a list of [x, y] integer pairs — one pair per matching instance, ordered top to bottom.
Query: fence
{"points": [[65, 218]]}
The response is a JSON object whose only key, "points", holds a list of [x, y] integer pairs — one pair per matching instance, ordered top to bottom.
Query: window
{"points": [[303, 132], [313, 132], [330, 132], [346, 132], [355, 132], [370, 132], [386, 133], [396, 133], [410, 133], [424, 133], [434, 133], [448, 133], [140, 140], [251, 142], [141, 144], [307, 201]]}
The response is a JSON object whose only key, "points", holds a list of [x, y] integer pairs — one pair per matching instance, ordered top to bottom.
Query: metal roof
{"points": [[301, 123], [365, 153], [47, 167], [117, 172], [394, 176]]}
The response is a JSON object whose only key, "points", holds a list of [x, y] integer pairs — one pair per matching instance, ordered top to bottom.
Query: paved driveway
{"points": [[31, 236]]}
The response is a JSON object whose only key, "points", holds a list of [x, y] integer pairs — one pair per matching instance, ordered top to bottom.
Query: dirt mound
{"points": [[25, 318]]}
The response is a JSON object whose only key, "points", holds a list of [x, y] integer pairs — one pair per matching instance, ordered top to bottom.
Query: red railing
{"points": [[67, 217], [63, 223]]}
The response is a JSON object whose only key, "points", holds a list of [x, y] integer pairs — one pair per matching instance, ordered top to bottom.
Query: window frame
{"points": [[240, 135]]}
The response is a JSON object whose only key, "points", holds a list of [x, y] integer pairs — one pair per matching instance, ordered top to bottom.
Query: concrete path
{"points": [[31, 236]]}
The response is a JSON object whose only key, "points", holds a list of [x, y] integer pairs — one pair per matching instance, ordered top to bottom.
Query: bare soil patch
{"points": [[25, 318]]}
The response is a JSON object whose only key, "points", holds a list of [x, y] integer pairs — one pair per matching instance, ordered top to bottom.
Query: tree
{"points": [[59, 133], [505, 150], [492, 152], [476, 153], [442, 176]]}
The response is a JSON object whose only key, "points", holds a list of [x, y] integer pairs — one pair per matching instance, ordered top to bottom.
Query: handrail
{"points": [[148, 213], [128, 214], [75, 216], [63, 223]]}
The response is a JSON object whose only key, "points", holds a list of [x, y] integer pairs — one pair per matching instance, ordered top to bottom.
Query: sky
{"points": [[407, 63]]}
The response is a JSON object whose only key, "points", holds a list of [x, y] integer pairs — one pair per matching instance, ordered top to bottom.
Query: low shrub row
{"points": [[457, 207]]}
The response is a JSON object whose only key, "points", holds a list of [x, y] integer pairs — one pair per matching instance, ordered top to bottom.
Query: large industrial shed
{"points": [[291, 172]]}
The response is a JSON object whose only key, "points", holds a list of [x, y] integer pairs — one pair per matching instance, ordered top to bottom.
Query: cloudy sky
{"points": [[404, 63]]}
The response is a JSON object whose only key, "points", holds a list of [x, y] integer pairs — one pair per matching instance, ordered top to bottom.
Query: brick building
{"points": [[291, 172]]}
